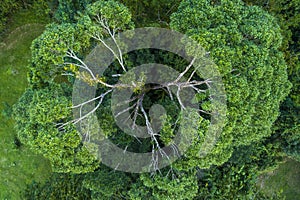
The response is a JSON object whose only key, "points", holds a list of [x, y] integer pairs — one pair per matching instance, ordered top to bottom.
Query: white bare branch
{"points": [[104, 24], [70, 53], [186, 70], [82, 117]]}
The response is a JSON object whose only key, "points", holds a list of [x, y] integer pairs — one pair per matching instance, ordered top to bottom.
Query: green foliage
{"points": [[6, 7], [11, 8], [42, 8], [68, 10], [151, 12], [287, 14], [116, 15], [243, 41], [245, 44], [49, 50], [46, 105], [7, 110], [36, 114], [287, 126], [287, 129], [192, 157], [237, 178], [285, 178], [227, 182], [231, 182], [104, 183], [107, 184], [179, 185], [59, 186]]}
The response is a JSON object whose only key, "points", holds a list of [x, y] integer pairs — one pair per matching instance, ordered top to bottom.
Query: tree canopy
{"points": [[246, 44], [246, 50]]}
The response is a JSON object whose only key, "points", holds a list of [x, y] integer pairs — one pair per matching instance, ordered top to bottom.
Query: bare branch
{"points": [[103, 22], [71, 54], [185, 71], [125, 110], [75, 121]]}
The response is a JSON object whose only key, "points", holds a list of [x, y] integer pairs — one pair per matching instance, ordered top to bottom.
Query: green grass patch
{"points": [[23, 17], [18, 166], [285, 178]]}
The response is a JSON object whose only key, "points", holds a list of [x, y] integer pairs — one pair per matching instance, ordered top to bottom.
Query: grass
{"points": [[22, 17], [18, 166], [286, 179]]}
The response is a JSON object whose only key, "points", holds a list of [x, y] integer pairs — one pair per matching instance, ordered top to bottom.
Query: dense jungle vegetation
{"points": [[254, 44]]}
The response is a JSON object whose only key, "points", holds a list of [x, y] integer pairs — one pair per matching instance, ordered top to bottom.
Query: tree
{"points": [[67, 11], [153, 13], [100, 24], [242, 40], [49, 49], [245, 49], [46, 105], [35, 114], [287, 126], [287, 129], [106, 183], [172, 185], [59, 186]]}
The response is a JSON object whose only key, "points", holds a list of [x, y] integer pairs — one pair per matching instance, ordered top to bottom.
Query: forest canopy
{"points": [[246, 41]]}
